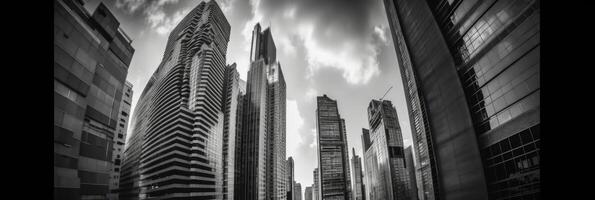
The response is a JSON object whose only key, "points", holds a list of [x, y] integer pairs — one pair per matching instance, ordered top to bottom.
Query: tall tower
{"points": [[91, 58], [471, 72], [231, 102], [119, 139], [332, 144], [387, 145], [176, 149], [262, 160], [410, 166], [357, 177], [290, 178], [316, 186], [297, 191], [308, 193]]}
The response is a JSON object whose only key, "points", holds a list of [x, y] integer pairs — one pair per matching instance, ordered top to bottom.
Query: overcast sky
{"points": [[342, 48]]}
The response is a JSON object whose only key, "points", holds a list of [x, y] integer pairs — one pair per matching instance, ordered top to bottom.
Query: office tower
{"points": [[91, 59], [471, 76], [232, 112], [178, 123], [119, 139], [366, 139], [332, 143], [385, 157], [262, 161], [411, 169], [357, 177], [290, 178], [316, 187], [297, 191], [308, 193]]}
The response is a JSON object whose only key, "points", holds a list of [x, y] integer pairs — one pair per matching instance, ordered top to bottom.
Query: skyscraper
{"points": [[91, 59], [471, 76], [232, 94], [119, 139], [332, 144], [177, 146], [387, 159], [262, 162], [411, 169], [357, 177], [290, 178], [316, 187], [297, 191], [308, 193]]}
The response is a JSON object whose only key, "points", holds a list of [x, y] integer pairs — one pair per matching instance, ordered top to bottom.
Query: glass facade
{"points": [[494, 47], [90, 69], [332, 145], [387, 147], [262, 162], [357, 177]]}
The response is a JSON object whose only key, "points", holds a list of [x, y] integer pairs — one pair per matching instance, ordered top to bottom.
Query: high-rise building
{"points": [[91, 58], [471, 75], [232, 94], [119, 139], [177, 146], [262, 146], [332, 149], [385, 154], [410, 166], [357, 177], [290, 178], [316, 187], [297, 191], [308, 193]]}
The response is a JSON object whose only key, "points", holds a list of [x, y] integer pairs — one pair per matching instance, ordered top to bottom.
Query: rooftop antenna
{"points": [[391, 87]]}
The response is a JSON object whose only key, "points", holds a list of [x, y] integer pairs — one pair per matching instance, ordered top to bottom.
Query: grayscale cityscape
{"points": [[296, 100]]}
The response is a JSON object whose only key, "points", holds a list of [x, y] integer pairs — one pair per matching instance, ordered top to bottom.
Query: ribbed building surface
{"points": [[91, 58], [471, 74], [176, 148], [332, 151], [388, 158], [261, 163]]}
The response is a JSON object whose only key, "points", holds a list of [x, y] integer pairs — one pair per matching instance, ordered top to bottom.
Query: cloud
{"points": [[129, 6], [154, 13], [334, 34], [311, 94], [294, 124], [314, 143]]}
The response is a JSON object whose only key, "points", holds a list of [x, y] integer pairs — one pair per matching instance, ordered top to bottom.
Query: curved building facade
{"points": [[175, 150]]}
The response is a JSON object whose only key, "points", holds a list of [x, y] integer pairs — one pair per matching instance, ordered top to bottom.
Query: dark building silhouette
{"points": [[91, 59], [471, 76], [177, 145], [262, 145], [333, 162]]}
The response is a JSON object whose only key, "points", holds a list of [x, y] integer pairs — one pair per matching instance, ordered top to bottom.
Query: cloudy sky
{"points": [[341, 48]]}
